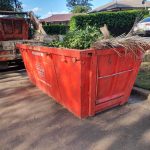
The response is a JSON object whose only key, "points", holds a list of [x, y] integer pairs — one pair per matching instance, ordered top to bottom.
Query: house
{"points": [[117, 5], [57, 19]]}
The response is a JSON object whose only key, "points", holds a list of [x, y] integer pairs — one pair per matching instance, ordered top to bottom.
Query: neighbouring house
{"points": [[117, 5], [63, 19]]}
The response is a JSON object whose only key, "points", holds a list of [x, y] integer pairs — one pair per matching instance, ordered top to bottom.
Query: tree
{"points": [[143, 1], [10, 5], [17, 5], [79, 6], [80, 9]]}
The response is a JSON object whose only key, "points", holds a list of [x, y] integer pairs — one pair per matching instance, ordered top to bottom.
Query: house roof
{"points": [[122, 4], [58, 18]]}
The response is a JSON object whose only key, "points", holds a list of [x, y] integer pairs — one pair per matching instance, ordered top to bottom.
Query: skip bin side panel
{"points": [[13, 29], [21, 29], [7, 31], [40, 69], [44, 72], [68, 72]]}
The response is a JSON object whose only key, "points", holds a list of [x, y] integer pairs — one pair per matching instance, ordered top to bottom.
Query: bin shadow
{"points": [[29, 119]]}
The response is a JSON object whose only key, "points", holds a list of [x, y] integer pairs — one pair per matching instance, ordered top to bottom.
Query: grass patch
{"points": [[143, 78]]}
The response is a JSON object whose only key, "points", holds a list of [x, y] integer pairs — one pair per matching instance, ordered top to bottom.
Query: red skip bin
{"points": [[83, 81]]}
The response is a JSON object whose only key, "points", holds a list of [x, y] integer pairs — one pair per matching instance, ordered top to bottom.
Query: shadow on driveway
{"points": [[31, 120]]}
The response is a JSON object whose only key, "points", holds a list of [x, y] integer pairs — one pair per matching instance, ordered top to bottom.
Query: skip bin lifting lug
{"points": [[49, 54], [63, 59], [74, 60]]}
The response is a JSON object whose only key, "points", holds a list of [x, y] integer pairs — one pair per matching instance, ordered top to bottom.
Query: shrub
{"points": [[147, 15], [117, 22], [56, 29], [78, 39], [55, 43], [143, 78]]}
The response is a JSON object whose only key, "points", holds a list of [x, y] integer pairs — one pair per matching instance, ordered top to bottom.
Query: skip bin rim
{"points": [[68, 51]]}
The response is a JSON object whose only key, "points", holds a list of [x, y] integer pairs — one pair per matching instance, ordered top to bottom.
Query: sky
{"points": [[45, 8]]}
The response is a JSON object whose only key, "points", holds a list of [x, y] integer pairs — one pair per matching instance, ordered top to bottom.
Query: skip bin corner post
{"points": [[88, 75], [93, 85]]}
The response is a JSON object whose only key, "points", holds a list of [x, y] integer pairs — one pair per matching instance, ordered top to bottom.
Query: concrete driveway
{"points": [[30, 120]]}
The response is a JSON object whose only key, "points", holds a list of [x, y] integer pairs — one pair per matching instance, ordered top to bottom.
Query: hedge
{"points": [[118, 22], [56, 29]]}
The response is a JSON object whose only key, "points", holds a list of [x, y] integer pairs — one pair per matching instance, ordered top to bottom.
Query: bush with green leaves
{"points": [[147, 15], [118, 22], [56, 29], [79, 39], [55, 43]]}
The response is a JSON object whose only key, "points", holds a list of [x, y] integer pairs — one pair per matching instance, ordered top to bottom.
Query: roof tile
{"points": [[122, 4], [58, 18]]}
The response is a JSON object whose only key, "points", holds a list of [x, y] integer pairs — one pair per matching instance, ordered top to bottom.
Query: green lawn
{"points": [[143, 78]]}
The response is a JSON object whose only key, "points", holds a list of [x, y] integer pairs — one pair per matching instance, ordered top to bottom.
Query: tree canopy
{"points": [[10, 5], [79, 6], [80, 9]]}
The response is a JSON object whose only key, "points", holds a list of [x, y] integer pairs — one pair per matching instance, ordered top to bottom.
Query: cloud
{"points": [[24, 6], [36, 9], [50, 13]]}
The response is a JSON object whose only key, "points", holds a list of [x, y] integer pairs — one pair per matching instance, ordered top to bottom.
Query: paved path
{"points": [[30, 120]]}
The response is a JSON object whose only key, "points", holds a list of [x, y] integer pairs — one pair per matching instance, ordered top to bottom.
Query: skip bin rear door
{"points": [[113, 78]]}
